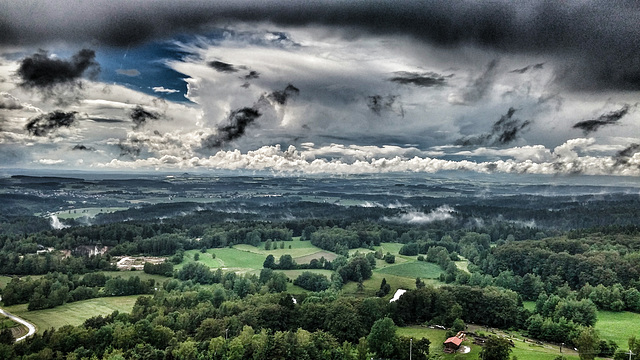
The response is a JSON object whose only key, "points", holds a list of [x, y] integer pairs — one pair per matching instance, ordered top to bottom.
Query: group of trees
{"points": [[55, 289]]}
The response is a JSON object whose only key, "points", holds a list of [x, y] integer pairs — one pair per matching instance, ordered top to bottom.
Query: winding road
{"points": [[30, 326]]}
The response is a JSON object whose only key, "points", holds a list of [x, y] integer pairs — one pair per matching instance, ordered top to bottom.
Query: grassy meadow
{"points": [[74, 313]]}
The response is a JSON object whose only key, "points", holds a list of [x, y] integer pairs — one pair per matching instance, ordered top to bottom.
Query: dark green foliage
{"points": [[389, 258], [164, 268], [197, 272], [312, 282], [384, 288], [382, 338], [496, 348]]}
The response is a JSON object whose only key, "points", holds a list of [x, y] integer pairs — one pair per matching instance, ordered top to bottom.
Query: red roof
{"points": [[454, 340]]}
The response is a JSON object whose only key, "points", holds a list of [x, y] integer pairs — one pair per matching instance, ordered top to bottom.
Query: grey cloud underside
{"points": [[597, 38], [222, 67], [527, 68], [42, 71], [424, 80], [140, 116], [239, 119], [45, 124], [589, 126], [504, 131], [81, 147], [132, 148]]}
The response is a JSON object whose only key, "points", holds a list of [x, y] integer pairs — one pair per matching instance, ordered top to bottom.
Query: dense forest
{"points": [[568, 264]]}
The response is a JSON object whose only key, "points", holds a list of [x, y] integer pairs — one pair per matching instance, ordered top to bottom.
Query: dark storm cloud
{"points": [[598, 38], [220, 66], [527, 68], [42, 71], [252, 75], [418, 79], [281, 97], [378, 103], [140, 116], [108, 121], [238, 121], [45, 124], [589, 126], [503, 131], [82, 147], [131, 148], [623, 156]]}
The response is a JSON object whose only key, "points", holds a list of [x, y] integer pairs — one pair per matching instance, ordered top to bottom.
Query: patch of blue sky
{"points": [[144, 68]]}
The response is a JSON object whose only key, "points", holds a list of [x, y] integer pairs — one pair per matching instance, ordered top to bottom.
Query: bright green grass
{"points": [[88, 212], [393, 248], [298, 249], [327, 255], [205, 258], [232, 258], [463, 265], [414, 269], [141, 274], [4, 280], [373, 284], [529, 305], [74, 313], [6, 323], [618, 326], [524, 351]]}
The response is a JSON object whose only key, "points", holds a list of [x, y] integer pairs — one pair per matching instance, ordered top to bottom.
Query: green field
{"points": [[88, 212], [298, 248], [317, 255], [414, 269], [4, 280], [74, 313], [6, 323], [618, 326], [523, 351]]}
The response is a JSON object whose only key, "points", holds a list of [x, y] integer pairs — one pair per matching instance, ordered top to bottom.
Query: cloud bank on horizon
{"points": [[345, 87]]}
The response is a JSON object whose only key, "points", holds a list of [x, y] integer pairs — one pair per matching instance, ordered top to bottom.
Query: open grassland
{"points": [[88, 212], [298, 248], [393, 248], [327, 255], [204, 258], [463, 265], [421, 269], [293, 274], [4, 280], [373, 284], [74, 313], [618, 326], [522, 350]]}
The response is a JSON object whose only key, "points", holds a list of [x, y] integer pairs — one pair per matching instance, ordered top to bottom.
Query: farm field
{"points": [[88, 212], [413, 269], [4, 280], [74, 313], [618, 326], [526, 351]]}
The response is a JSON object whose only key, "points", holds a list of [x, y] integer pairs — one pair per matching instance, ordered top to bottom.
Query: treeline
{"points": [[55, 289], [187, 321]]}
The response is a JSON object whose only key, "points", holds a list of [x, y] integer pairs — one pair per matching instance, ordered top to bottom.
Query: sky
{"points": [[321, 87]]}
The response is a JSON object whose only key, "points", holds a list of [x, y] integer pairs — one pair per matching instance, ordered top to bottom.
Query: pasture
{"points": [[421, 269], [74, 313]]}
